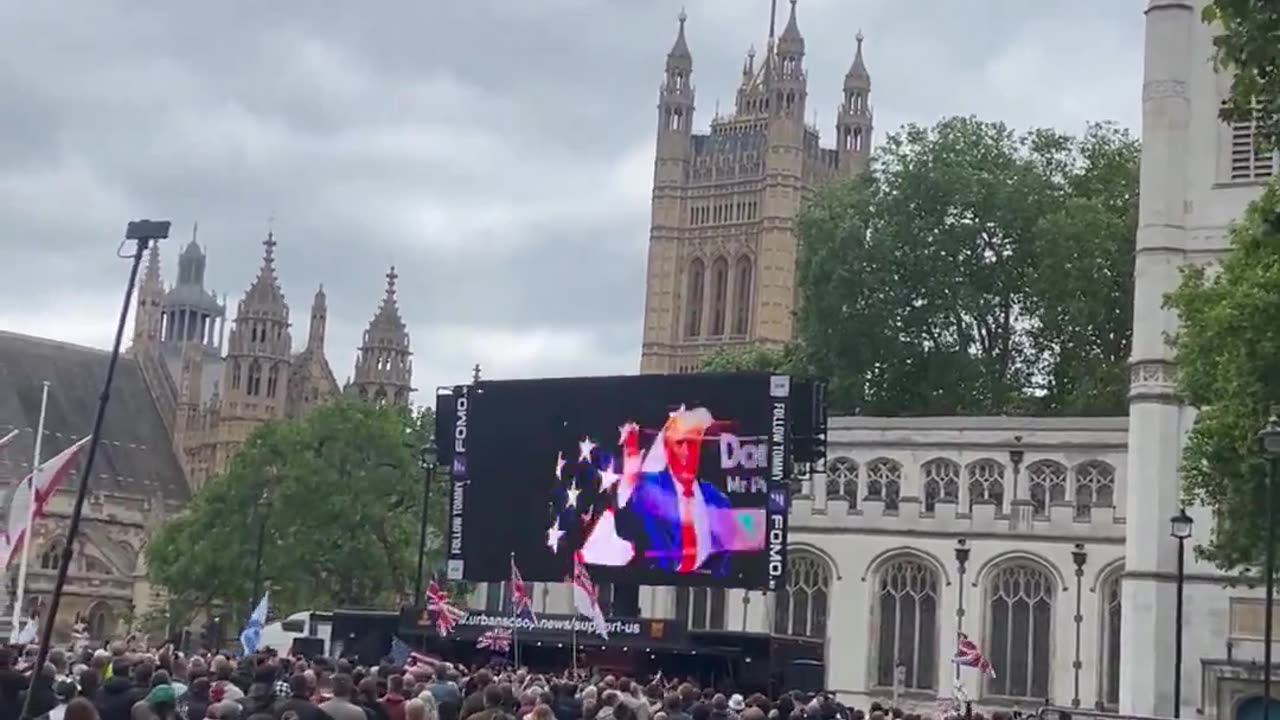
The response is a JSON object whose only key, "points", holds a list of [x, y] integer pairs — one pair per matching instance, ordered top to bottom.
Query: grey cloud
{"points": [[499, 152]]}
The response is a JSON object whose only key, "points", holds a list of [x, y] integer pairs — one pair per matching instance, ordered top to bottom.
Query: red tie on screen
{"points": [[688, 538]]}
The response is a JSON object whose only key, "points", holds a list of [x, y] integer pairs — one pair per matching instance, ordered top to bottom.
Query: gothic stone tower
{"points": [[722, 244], [384, 370], [311, 380]]}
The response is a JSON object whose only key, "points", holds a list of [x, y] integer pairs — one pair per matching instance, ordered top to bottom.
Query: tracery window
{"points": [[719, 295], [742, 295], [693, 298], [255, 378], [273, 380], [842, 479], [884, 481], [941, 482], [986, 482], [1046, 483], [1095, 486], [51, 558], [800, 609], [907, 617], [1111, 619], [1019, 630]]}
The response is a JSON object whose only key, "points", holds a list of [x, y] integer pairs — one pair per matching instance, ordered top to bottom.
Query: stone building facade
{"points": [[722, 244], [215, 385]]}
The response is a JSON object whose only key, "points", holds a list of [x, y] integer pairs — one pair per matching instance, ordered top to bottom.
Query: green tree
{"points": [[1246, 47], [974, 270], [1228, 350], [749, 359], [337, 497]]}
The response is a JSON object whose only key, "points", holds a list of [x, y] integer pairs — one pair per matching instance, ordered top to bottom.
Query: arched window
{"points": [[696, 280], [719, 295], [742, 296], [235, 374], [255, 378], [273, 380], [380, 396], [842, 479], [884, 482], [941, 482], [986, 482], [1047, 483], [1095, 486], [51, 558], [701, 608], [800, 610], [907, 618], [1111, 618], [1019, 630]]}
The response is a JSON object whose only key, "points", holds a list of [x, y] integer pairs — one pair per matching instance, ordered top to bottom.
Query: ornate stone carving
{"points": [[1162, 89], [1152, 372]]}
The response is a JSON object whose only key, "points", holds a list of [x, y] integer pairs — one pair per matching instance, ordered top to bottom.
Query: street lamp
{"points": [[1269, 442], [1015, 458], [427, 460], [261, 507], [1180, 530], [1078, 558], [962, 560]]}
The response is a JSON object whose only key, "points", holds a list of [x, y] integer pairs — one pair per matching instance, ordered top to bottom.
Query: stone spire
{"points": [[680, 55], [858, 75], [854, 119], [265, 293], [147, 316], [319, 319], [259, 346], [384, 369]]}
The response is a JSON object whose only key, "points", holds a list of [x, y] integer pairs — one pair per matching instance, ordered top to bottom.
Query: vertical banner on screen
{"points": [[779, 478], [458, 479]]}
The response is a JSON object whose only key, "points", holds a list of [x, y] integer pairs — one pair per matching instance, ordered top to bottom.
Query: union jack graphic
{"points": [[521, 606], [446, 613], [497, 640], [969, 655]]}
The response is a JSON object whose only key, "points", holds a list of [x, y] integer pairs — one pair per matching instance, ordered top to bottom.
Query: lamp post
{"points": [[142, 233], [1269, 440], [427, 459], [1015, 459], [261, 508], [1180, 530], [1078, 558], [962, 560]]}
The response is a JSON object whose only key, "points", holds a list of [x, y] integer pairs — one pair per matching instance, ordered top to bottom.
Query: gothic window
{"points": [[857, 139], [1248, 161], [719, 294], [742, 296], [693, 298], [235, 374], [255, 378], [273, 380], [380, 396], [842, 479], [884, 481], [941, 482], [986, 482], [1047, 483], [1095, 486], [51, 558], [495, 597], [701, 608], [800, 609], [907, 609], [1111, 618], [1019, 630]]}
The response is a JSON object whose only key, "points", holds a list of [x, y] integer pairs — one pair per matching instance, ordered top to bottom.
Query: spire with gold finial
{"points": [[384, 371]]}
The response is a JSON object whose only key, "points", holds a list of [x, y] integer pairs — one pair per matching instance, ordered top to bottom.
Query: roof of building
{"points": [[135, 456]]}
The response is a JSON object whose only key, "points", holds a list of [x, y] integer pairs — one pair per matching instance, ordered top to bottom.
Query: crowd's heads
{"points": [[342, 686], [492, 695], [415, 709]]}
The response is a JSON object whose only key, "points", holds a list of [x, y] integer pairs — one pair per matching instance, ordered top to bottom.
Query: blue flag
{"points": [[252, 633], [400, 651]]}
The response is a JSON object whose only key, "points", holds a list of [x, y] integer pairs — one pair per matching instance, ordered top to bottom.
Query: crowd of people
{"points": [[116, 683]]}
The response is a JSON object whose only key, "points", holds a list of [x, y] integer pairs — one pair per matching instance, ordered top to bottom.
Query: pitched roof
{"points": [[136, 455]]}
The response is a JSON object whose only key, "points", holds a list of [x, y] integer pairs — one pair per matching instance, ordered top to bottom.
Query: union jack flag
{"points": [[521, 606], [447, 614], [497, 640], [968, 655]]}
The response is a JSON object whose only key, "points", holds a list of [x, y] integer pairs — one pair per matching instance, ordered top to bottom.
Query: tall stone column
{"points": [[1155, 430]]}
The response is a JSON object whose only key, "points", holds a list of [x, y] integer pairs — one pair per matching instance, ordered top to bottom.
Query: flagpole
{"points": [[29, 534], [515, 620]]}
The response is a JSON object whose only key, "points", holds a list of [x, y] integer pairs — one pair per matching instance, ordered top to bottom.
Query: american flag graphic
{"points": [[521, 606], [447, 614], [497, 640], [968, 655]]}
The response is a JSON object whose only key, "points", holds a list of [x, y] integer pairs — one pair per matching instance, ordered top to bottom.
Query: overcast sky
{"points": [[498, 152]]}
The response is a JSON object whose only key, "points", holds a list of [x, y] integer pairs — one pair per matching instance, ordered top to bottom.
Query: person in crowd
{"points": [[262, 691], [367, 698], [394, 700], [195, 702], [474, 702], [298, 705], [342, 706], [80, 708], [493, 708]]}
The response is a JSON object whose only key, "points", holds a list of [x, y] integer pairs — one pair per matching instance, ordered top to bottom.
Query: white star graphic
{"points": [[585, 446], [559, 465], [608, 479], [571, 500], [554, 533]]}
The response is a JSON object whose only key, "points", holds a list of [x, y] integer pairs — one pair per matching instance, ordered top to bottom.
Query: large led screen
{"points": [[650, 479]]}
